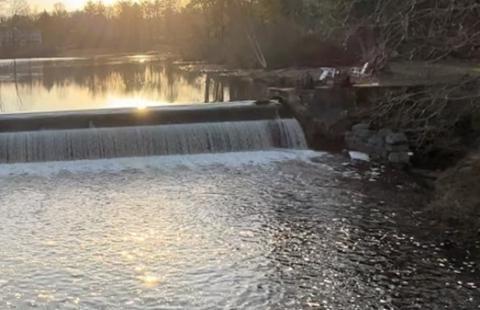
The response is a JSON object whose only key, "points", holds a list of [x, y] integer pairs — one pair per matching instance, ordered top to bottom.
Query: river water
{"points": [[53, 84], [258, 230]]}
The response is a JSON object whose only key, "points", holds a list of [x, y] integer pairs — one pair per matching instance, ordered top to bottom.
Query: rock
{"points": [[360, 127], [362, 131], [385, 132], [364, 134], [396, 138], [376, 141], [355, 143], [383, 145], [376, 146], [400, 148], [359, 156], [399, 158]]}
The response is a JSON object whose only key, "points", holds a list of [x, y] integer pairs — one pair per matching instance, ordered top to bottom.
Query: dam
{"points": [[101, 134], [201, 206]]}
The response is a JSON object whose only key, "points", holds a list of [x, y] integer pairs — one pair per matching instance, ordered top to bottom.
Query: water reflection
{"points": [[129, 81]]}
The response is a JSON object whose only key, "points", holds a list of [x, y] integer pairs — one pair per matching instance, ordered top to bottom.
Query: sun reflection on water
{"points": [[132, 102], [149, 280]]}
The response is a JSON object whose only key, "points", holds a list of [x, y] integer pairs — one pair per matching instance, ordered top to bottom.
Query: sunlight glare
{"points": [[132, 102], [149, 280]]}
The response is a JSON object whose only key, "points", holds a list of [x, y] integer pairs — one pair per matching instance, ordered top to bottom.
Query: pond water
{"points": [[53, 84], [258, 230]]}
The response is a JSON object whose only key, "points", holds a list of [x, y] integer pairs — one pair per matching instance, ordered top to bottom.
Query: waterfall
{"points": [[98, 143]]}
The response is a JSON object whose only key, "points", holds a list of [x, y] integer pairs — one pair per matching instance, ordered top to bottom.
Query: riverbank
{"points": [[48, 52], [337, 104], [417, 116]]}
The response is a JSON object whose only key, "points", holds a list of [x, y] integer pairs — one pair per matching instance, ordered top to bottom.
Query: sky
{"points": [[41, 5], [71, 5]]}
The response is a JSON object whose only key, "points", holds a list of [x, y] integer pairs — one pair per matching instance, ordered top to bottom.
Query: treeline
{"points": [[123, 26], [268, 32], [335, 32]]}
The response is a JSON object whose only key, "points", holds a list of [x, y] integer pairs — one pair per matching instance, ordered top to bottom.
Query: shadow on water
{"points": [[66, 84]]}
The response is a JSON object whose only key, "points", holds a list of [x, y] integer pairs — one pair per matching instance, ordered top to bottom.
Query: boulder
{"points": [[360, 127], [385, 132], [364, 135], [396, 138], [376, 141], [383, 145], [399, 148], [359, 156]]}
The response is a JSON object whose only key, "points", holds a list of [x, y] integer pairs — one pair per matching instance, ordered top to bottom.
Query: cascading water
{"points": [[98, 143]]}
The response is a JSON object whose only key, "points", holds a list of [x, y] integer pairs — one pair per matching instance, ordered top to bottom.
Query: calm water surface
{"points": [[105, 82], [234, 231]]}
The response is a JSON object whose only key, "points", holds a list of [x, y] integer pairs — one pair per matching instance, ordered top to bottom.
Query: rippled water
{"points": [[264, 230]]}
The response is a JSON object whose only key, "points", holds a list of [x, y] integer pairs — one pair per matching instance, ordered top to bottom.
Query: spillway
{"points": [[68, 144]]}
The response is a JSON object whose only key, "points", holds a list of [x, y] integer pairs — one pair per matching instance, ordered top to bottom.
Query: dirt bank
{"points": [[457, 196]]}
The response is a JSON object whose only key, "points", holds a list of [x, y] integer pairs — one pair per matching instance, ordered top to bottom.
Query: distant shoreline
{"points": [[87, 53]]}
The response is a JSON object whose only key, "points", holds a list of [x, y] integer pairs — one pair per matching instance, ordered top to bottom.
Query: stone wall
{"points": [[323, 112], [327, 116], [381, 145]]}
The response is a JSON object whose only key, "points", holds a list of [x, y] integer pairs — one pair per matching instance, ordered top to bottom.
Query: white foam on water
{"points": [[233, 160]]}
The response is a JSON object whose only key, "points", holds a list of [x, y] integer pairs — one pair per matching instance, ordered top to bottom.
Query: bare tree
{"points": [[3, 8], [18, 8], [59, 8], [421, 30], [430, 115]]}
